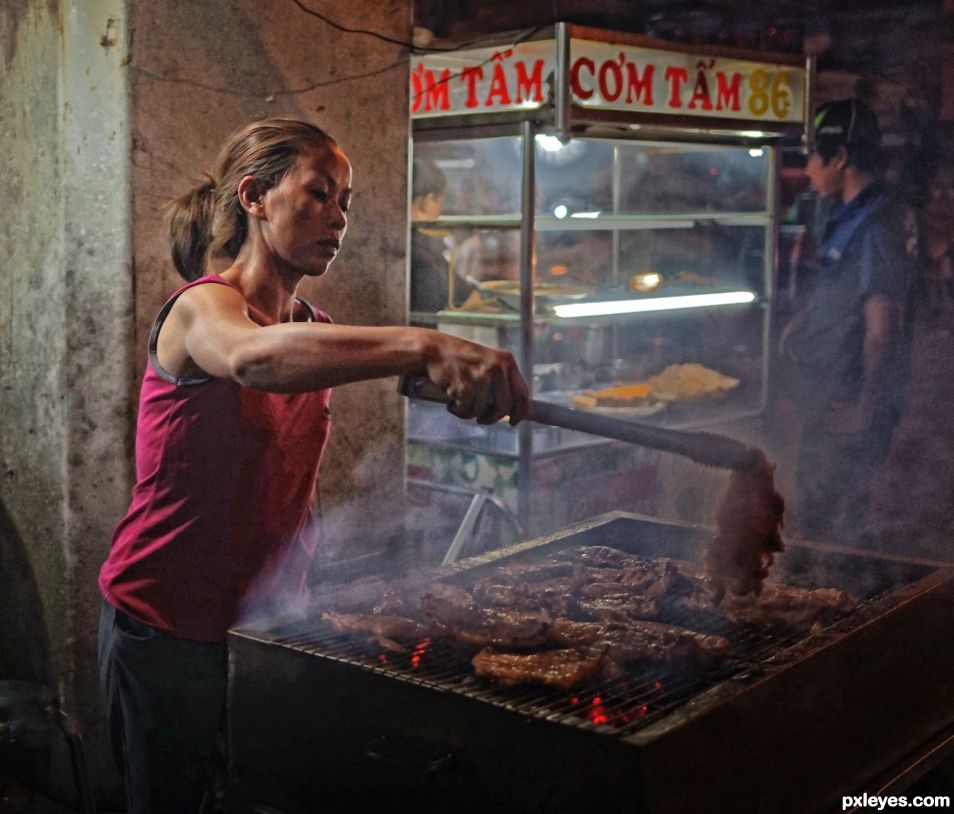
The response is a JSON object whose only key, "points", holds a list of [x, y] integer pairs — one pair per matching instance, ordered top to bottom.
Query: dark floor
{"points": [[21, 801]]}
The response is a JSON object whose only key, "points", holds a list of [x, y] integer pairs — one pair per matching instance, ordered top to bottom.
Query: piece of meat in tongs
{"points": [[748, 523]]}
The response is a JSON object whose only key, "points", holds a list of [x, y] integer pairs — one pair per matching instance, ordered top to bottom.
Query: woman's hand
{"points": [[481, 382]]}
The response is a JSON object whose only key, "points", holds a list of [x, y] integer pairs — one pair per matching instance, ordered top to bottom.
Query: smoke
{"points": [[911, 511], [912, 514], [910, 524], [358, 555], [299, 585]]}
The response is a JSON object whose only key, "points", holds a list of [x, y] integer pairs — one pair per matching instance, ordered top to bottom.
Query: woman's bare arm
{"points": [[218, 336]]}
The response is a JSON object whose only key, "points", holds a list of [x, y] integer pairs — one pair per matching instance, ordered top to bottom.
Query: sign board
{"points": [[604, 76]]}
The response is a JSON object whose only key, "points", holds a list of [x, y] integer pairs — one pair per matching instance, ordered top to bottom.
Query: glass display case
{"points": [[626, 258]]}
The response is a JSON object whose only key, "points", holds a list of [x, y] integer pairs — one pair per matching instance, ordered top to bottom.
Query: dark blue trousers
{"points": [[165, 704]]}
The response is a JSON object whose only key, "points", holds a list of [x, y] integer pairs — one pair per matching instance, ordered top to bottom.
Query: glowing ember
{"points": [[419, 650], [598, 712]]}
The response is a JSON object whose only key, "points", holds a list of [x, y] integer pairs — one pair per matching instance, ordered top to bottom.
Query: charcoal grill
{"points": [[792, 723]]}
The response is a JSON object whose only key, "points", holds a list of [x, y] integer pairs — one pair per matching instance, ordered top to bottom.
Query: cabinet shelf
{"points": [[599, 222], [547, 317]]}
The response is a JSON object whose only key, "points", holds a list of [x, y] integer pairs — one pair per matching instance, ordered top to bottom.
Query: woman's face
{"points": [[305, 213]]}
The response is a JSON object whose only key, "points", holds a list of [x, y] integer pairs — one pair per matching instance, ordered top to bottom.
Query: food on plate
{"points": [[642, 282], [689, 381], [685, 382], [626, 395], [748, 522]]}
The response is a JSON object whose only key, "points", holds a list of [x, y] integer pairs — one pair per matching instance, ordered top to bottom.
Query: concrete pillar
{"points": [[66, 326]]}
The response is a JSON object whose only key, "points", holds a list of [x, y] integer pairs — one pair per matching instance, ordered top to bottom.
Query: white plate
{"points": [[565, 399], [627, 412]]}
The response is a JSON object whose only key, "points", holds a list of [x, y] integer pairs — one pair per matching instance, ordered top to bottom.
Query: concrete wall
{"points": [[109, 108], [66, 328], [32, 412]]}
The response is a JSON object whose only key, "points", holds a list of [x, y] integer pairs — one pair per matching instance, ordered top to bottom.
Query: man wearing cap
{"points": [[850, 342]]}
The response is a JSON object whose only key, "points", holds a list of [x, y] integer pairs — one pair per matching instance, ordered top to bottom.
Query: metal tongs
{"points": [[706, 448]]}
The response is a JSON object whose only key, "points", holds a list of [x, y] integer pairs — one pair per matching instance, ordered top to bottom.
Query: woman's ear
{"points": [[250, 195]]}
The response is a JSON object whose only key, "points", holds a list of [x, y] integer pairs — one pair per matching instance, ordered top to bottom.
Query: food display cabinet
{"points": [[604, 208]]}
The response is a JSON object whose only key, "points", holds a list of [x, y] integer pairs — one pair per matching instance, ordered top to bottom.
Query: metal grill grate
{"points": [[617, 706], [310, 707]]}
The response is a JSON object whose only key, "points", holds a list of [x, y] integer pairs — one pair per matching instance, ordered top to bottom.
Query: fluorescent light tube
{"points": [[608, 308]]}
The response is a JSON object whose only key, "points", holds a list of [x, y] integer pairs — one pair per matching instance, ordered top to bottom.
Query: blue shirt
{"points": [[863, 253]]}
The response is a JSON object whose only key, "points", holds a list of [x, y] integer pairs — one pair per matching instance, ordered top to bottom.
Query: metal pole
{"points": [[561, 82], [808, 135], [617, 196], [528, 210], [616, 237], [771, 273]]}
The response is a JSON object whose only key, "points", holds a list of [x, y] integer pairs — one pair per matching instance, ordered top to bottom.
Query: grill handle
{"points": [[706, 448]]}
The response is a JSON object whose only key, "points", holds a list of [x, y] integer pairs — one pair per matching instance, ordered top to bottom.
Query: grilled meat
{"points": [[598, 556], [535, 571], [599, 590], [551, 595], [405, 599], [616, 607], [785, 608], [603, 610], [455, 620], [386, 631], [641, 641], [716, 647], [588, 648], [563, 669]]}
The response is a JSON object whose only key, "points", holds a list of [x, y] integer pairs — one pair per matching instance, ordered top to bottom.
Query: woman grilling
{"points": [[232, 422]]}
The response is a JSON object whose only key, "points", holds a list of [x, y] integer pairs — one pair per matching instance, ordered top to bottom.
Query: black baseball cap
{"points": [[847, 121]]}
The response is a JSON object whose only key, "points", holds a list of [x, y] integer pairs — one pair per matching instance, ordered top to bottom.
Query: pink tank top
{"points": [[222, 501]]}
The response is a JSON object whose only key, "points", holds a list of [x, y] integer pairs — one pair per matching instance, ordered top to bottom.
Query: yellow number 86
{"points": [[769, 91]]}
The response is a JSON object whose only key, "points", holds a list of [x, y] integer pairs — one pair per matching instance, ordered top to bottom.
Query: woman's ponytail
{"points": [[190, 229]]}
